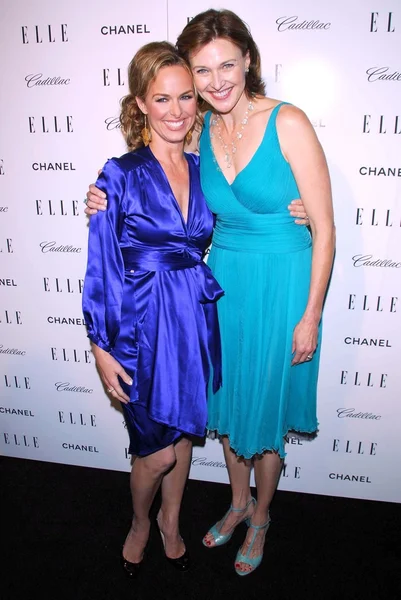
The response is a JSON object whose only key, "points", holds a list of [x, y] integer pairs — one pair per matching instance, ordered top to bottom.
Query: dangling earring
{"points": [[247, 70], [146, 134], [188, 137]]}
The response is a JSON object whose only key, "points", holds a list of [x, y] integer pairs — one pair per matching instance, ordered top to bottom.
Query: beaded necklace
{"points": [[231, 148]]}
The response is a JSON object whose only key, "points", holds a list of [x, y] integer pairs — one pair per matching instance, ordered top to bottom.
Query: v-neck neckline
{"points": [[253, 155], [184, 221]]}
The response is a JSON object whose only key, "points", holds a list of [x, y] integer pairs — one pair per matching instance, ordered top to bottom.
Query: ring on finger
{"points": [[85, 201], [310, 356], [110, 390]]}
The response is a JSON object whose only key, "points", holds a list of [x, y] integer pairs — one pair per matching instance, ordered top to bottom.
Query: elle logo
{"points": [[384, 22], [50, 34], [116, 77], [56, 124], [381, 124], [60, 208], [376, 217], [8, 249], [59, 285], [374, 303], [11, 317], [71, 355], [368, 380], [17, 382], [77, 419], [21, 440], [350, 447], [293, 472]]}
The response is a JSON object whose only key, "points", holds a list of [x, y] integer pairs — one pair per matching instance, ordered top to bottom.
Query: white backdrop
{"points": [[64, 72]]}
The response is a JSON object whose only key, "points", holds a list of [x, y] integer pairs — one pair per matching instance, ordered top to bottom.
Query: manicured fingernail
{"points": [[130, 382]]}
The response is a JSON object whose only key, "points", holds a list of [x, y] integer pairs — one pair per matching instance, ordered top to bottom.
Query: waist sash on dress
{"points": [[260, 233], [208, 289]]}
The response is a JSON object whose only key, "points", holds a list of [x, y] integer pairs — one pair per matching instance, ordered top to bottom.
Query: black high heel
{"points": [[182, 563], [131, 569]]}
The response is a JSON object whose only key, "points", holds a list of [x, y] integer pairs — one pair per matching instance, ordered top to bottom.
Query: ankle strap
{"points": [[251, 501], [260, 526]]}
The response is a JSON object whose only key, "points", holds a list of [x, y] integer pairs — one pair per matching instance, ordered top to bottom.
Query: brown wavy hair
{"points": [[213, 24], [142, 71]]}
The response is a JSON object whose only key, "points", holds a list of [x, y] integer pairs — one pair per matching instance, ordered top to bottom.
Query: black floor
{"points": [[63, 528]]}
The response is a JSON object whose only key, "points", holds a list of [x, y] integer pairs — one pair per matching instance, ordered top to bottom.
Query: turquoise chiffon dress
{"points": [[262, 260]]}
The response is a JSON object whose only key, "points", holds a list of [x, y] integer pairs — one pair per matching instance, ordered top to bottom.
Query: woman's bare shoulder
{"points": [[290, 115]]}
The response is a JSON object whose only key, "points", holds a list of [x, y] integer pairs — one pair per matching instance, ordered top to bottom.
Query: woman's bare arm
{"points": [[305, 155]]}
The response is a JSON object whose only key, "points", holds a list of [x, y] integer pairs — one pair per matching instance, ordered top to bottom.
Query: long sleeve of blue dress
{"points": [[103, 289]]}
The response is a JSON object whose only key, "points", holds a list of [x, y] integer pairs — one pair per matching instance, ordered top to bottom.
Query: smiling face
{"points": [[219, 71], [170, 104]]}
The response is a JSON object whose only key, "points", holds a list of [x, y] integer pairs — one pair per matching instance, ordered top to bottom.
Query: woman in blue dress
{"points": [[257, 155], [149, 300]]}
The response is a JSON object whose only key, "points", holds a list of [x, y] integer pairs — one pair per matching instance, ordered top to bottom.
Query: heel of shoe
{"points": [[182, 563]]}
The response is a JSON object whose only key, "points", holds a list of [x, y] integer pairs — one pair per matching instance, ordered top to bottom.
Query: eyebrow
{"points": [[223, 63], [191, 91]]}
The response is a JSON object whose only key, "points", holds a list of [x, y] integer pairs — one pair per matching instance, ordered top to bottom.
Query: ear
{"points": [[247, 60], [141, 104]]}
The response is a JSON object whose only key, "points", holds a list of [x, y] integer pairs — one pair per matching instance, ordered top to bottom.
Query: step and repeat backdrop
{"points": [[64, 71]]}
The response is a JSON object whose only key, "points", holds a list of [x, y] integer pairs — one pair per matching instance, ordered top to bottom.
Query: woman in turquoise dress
{"points": [[258, 154]]}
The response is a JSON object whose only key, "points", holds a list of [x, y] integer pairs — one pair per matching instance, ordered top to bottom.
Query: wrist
{"points": [[312, 316], [98, 351]]}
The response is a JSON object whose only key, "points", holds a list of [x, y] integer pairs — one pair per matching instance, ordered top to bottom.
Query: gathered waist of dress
{"points": [[265, 233], [148, 259]]}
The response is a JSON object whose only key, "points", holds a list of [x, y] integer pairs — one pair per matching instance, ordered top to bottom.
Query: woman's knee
{"points": [[184, 443], [163, 460]]}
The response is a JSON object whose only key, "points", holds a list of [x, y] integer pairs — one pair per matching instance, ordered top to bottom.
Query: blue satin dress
{"points": [[150, 300]]}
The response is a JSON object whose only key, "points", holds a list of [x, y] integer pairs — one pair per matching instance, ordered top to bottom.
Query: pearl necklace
{"points": [[229, 152]]}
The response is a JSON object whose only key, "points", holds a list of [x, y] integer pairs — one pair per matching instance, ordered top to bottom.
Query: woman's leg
{"points": [[239, 471], [267, 472], [146, 476], [173, 485]]}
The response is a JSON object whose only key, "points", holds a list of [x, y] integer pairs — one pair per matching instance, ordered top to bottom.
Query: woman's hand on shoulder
{"points": [[95, 199], [110, 369]]}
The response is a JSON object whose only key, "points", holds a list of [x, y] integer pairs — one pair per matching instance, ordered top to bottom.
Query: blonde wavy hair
{"points": [[142, 71]]}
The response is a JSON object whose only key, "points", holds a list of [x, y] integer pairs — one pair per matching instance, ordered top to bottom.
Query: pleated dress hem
{"points": [[248, 454]]}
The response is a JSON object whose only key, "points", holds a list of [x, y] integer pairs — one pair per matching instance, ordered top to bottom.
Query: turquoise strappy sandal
{"points": [[220, 538], [245, 558]]}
